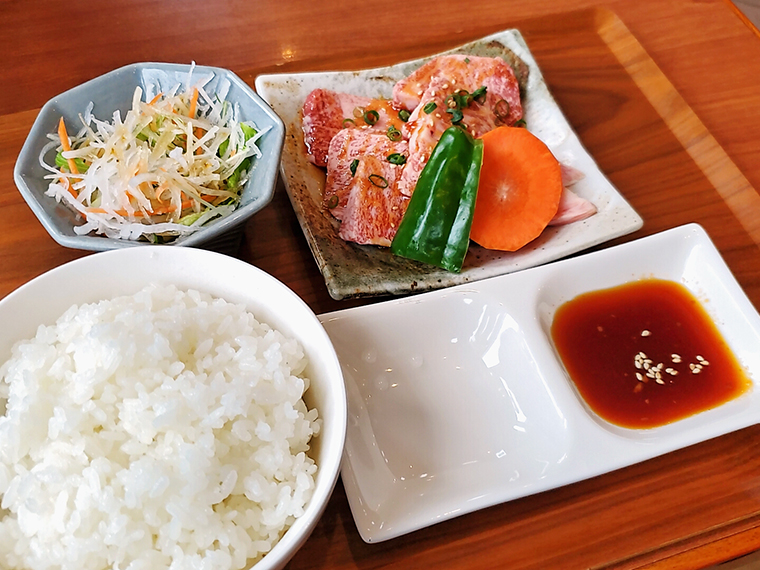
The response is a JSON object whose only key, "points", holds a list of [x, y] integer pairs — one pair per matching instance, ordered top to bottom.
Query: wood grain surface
{"points": [[664, 95]]}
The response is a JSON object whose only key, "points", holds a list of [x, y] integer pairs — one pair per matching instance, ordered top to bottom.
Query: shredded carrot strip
{"points": [[155, 99], [193, 103], [198, 134], [64, 136], [68, 186], [139, 214]]}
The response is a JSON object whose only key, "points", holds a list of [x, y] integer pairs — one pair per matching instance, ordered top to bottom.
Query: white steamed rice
{"points": [[162, 430]]}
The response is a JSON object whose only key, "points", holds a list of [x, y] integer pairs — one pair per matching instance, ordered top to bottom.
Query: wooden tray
{"points": [[665, 162]]}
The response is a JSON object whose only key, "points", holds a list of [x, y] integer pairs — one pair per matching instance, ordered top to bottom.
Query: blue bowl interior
{"points": [[113, 92]]}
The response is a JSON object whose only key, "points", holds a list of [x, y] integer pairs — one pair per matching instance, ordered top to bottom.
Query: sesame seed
{"points": [[445, 85], [645, 333], [676, 358], [697, 370], [671, 371], [639, 377], [660, 381]]}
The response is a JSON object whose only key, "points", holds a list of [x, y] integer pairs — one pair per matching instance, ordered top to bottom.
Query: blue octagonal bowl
{"points": [[113, 91]]}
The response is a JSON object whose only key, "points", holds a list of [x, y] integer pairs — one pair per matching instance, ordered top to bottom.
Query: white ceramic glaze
{"points": [[353, 270], [126, 271], [458, 401]]}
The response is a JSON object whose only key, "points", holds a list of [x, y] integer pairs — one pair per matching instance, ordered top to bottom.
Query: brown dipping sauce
{"points": [[645, 354]]}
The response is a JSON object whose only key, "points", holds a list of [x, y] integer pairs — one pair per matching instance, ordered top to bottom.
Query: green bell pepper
{"points": [[435, 228]]}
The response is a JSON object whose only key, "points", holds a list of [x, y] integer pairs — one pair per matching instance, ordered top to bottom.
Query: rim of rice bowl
{"points": [[107, 275]]}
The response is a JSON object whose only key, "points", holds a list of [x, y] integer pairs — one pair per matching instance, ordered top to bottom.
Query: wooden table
{"points": [[666, 97]]}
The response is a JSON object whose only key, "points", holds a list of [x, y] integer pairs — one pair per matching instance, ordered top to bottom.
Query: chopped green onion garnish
{"points": [[479, 95], [464, 98], [430, 107], [501, 109], [358, 112], [404, 115], [456, 115], [371, 117], [347, 123], [520, 123], [393, 133], [396, 158], [353, 165], [378, 181], [332, 202]]}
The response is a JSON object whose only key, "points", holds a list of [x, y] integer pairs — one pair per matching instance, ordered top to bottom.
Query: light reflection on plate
{"points": [[351, 270], [457, 400]]}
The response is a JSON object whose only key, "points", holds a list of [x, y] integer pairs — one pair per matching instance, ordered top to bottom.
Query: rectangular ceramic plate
{"points": [[352, 270], [458, 401]]}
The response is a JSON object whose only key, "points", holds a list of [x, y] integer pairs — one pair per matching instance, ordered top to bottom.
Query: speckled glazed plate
{"points": [[352, 270], [476, 408]]}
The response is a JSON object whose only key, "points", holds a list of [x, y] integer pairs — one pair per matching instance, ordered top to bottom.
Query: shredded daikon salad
{"points": [[173, 164]]}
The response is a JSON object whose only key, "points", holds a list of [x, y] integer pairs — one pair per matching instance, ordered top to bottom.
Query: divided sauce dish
{"points": [[458, 399]]}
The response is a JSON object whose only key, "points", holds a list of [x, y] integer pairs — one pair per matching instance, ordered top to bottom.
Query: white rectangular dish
{"points": [[352, 270], [458, 400]]}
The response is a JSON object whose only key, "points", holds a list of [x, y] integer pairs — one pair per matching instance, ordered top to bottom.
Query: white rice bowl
{"points": [[184, 411]]}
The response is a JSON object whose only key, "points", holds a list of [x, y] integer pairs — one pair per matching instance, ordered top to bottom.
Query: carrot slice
{"points": [[518, 192]]}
